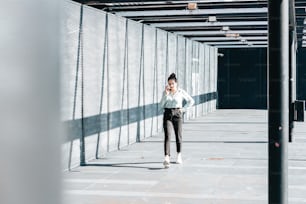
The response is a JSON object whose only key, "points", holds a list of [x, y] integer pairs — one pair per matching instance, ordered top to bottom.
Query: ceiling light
{"points": [[192, 6], [212, 19], [225, 28], [232, 35], [195, 59]]}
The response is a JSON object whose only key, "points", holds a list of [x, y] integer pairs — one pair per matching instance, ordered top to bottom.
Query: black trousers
{"points": [[172, 118]]}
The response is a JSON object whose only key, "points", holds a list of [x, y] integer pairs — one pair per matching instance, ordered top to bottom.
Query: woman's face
{"points": [[172, 84]]}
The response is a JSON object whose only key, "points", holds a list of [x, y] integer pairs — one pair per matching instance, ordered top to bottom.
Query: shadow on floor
{"points": [[200, 122], [238, 142], [129, 165]]}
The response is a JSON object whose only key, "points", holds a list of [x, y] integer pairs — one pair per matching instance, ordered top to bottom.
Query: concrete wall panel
{"points": [[93, 37], [171, 54], [161, 67], [206, 76], [134, 78], [70, 81], [149, 82]]}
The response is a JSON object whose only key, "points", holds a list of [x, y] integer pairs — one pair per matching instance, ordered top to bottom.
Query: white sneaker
{"points": [[179, 158], [167, 161]]}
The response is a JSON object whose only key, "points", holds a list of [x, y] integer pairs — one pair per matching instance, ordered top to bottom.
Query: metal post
{"points": [[80, 66], [292, 66], [292, 82], [278, 104]]}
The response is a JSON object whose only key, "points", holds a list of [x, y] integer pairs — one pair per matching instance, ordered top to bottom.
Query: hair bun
{"points": [[172, 75]]}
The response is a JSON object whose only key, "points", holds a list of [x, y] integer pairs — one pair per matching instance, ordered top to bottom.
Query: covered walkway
{"points": [[81, 86], [225, 157]]}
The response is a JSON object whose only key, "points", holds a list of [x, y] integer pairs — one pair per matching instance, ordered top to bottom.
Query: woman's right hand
{"points": [[167, 90]]}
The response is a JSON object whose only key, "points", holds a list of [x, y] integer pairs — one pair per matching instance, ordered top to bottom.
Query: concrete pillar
{"points": [[29, 102]]}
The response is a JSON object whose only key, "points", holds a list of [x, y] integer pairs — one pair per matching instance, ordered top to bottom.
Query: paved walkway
{"points": [[225, 162]]}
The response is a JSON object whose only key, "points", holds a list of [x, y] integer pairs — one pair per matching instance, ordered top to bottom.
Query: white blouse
{"points": [[176, 100]]}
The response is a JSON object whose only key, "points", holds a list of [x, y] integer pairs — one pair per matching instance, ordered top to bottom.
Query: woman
{"points": [[172, 103]]}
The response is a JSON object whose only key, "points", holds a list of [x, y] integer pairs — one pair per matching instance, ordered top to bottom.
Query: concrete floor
{"points": [[225, 161]]}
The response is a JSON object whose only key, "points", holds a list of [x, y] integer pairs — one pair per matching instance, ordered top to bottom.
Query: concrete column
{"points": [[29, 102]]}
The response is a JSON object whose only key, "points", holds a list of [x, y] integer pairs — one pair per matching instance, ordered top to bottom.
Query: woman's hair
{"points": [[172, 77]]}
